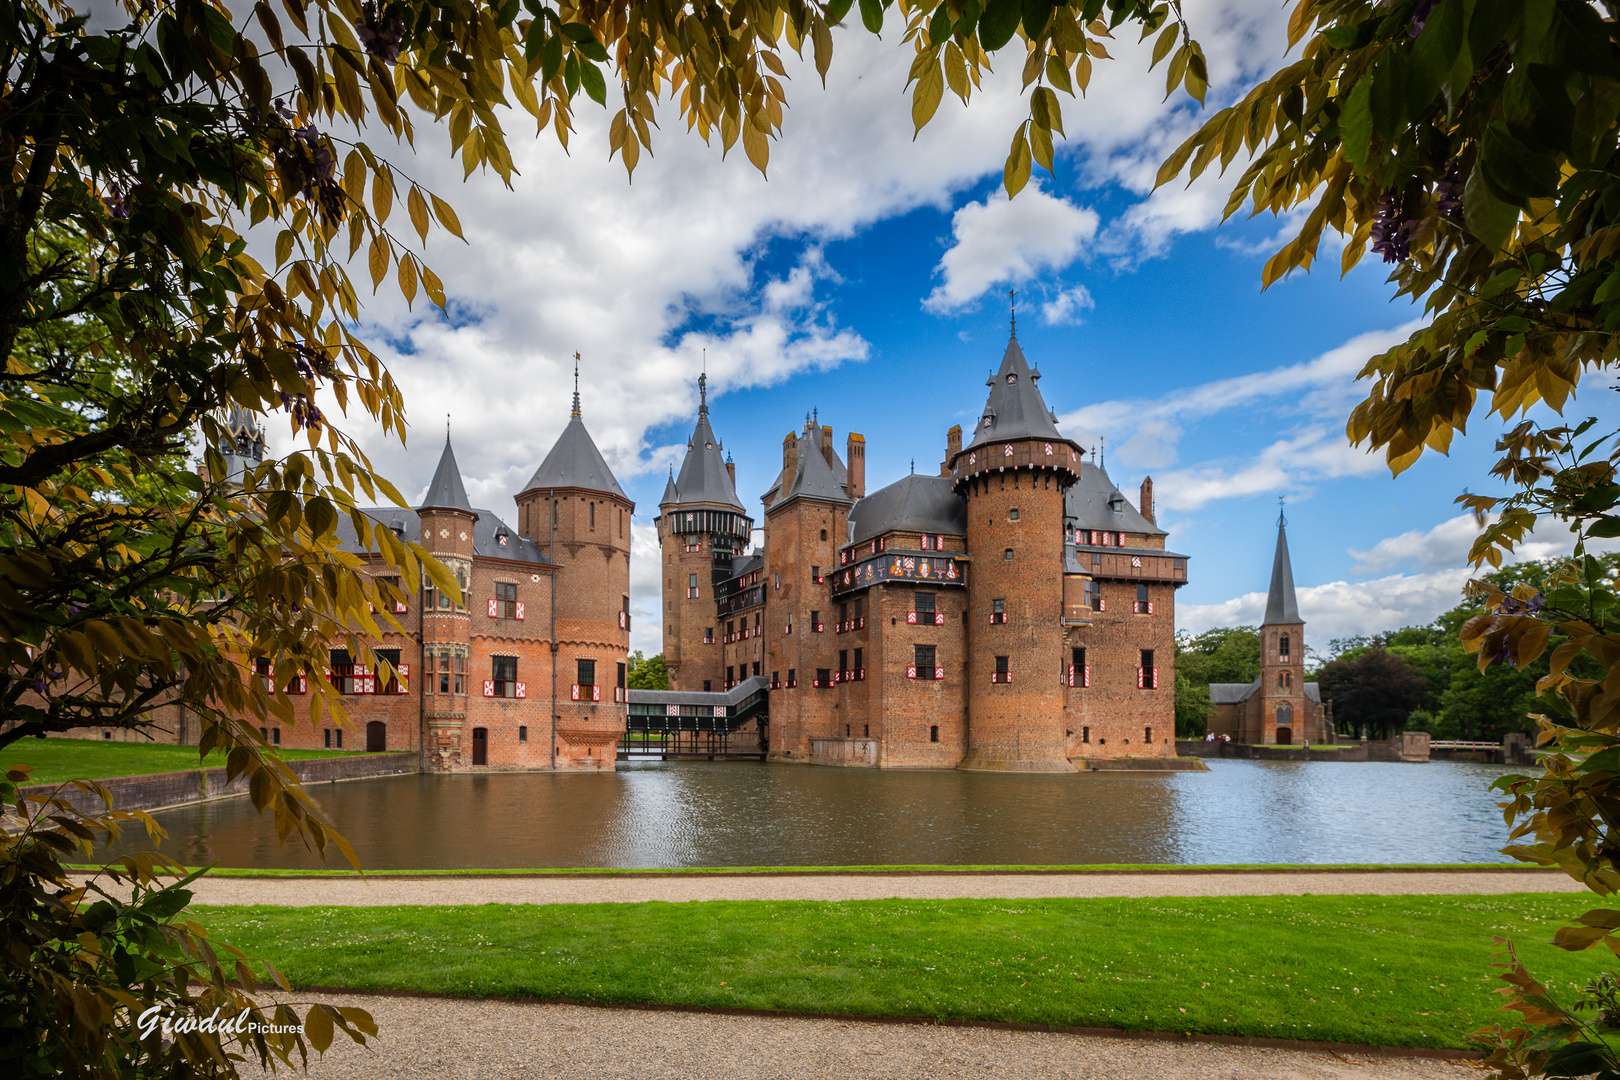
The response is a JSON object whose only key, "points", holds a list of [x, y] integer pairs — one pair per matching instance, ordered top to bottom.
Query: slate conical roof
{"points": [[1015, 408], [575, 462], [703, 477], [813, 477], [446, 491], [1281, 607]]}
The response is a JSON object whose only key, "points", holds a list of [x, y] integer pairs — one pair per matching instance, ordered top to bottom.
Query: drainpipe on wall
{"points": [[551, 554], [421, 676]]}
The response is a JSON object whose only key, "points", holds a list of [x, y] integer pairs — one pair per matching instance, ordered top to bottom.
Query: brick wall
{"points": [[1112, 716]]}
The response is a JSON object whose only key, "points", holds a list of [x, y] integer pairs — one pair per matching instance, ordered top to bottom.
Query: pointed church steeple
{"points": [[703, 478], [446, 492], [1281, 606]]}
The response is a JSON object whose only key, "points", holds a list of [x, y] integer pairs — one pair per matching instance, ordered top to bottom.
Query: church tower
{"points": [[1013, 475], [447, 520], [701, 526], [1281, 715]]}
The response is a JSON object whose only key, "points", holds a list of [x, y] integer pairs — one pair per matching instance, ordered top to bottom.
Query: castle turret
{"points": [[1013, 474], [576, 513], [447, 520], [701, 526], [1281, 717]]}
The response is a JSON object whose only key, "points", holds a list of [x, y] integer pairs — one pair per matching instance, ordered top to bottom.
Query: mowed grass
{"points": [[56, 760], [1402, 971]]}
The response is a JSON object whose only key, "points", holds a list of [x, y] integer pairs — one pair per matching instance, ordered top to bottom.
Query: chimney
{"points": [[826, 446], [953, 446], [855, 452], [790, 460], [731, 471], [1146, 502]]}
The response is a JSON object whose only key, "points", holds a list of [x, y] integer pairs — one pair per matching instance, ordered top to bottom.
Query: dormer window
{"points": [[1012, 376], [1116, 503]]}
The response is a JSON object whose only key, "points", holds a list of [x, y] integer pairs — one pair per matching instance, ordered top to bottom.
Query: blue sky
{"points": [[867, 279]]}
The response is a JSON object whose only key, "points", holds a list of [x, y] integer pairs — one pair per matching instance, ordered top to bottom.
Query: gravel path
{"points": [[388, 892], [484, 1040]]}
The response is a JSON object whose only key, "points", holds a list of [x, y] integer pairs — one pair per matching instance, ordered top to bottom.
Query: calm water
{"points": [[744, 814]]}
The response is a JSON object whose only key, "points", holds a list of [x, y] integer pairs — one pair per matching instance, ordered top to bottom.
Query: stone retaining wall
{"points": [[157, 791]]}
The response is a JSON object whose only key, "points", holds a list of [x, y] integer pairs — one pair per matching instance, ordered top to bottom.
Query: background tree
{"points": [[648, 674], [1372, 692], [1194, 710]]}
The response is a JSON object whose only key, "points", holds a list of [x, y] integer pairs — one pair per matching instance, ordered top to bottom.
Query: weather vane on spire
{"points": [[1012, 304], [576, 386], [446, 427], [1281, 518]]}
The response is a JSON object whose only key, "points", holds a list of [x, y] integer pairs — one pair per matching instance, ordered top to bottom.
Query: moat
{"points": [[742, 814]]}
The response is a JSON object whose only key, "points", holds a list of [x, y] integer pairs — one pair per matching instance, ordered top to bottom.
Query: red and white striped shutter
{"points": [[1102, 603], [492, 609], [520, 609], [911, 617], [939, 618], [911, 671], [939, 673], [1088, 676], [1141, 678], [1155, 678], [403, 683], [303, 684], [489, 687], [522, 690], [596, 691], [573, 692], [672, 710], [720, 710]]}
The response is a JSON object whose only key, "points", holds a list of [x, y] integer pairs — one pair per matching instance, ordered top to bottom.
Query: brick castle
{"points": [[1013, 612]]}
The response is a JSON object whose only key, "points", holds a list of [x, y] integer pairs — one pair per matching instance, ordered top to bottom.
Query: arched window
{"points": [[1282, 648], [1285, 715]]}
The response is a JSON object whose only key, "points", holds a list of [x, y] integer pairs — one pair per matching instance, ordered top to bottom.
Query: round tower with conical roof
{"points": [[1013, 474], [574, 510], [447, 520], [702, 525]]}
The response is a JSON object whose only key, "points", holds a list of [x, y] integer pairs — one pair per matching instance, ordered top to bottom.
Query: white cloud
{"points": [[1005, 240], [1064, 309], [1290, 464], [1447, 544], [646, 591], [1343, 608]]}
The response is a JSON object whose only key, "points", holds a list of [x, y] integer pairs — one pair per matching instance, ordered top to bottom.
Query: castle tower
{"points": [[242, 445], [1013, 474], [576, 513], [447, 520], [806, 522], [701, 526], [1281, 716]]}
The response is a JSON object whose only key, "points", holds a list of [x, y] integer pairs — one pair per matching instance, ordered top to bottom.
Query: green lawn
{"points": [[94, 759], [1405, 971]]}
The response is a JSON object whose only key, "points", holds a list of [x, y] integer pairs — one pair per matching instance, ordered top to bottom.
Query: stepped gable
{"points": [[1015, 408], [575, 462], [813, 476], [703, 477], [446, 491], [1093, 502], [915, 503], [488, 532], [1281, 606]]}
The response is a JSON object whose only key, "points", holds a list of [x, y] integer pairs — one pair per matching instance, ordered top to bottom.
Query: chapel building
{"points": [[1013, 613]]}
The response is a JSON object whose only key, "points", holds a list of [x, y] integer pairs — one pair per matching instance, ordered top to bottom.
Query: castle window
{"points": [[554, 511], [593, 515], [1012, 515], [824, 534], [1008, 554], [776, 582], [691, 586], [1094, 596], [505, 604], [1142, 606], [998, 612], [923, 613], [816, 625], [708, 635], [1282, 648], [923, 663], [843, 664], [860, 664], [261, 667], [756, 667], [1079, 670], [460, 671], [1003, 671], [341, 673], [503, 674], [1147, 675], [731, 676], [621, 678], [793, 678], [776, 680], [824, 680], [392, 686], [705, 686], [1285, 714], [324, 731], [846, 731], [866, 731], [523, 733], [933, 733], [1085, 734], [275, 736], [1148, 736]]}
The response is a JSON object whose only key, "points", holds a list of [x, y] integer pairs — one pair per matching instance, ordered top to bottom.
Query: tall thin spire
{"points": [[1012, 305], [576, 386], [1282, 608]]}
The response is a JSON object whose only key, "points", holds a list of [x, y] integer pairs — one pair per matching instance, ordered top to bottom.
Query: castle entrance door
{"points": [[1285, 736], [376, 737], [480, 746]]}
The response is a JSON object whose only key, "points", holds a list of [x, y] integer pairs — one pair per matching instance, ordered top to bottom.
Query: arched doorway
{"points": [[1285, 724], [1285, 736], [376, 737], [480, 746]]}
